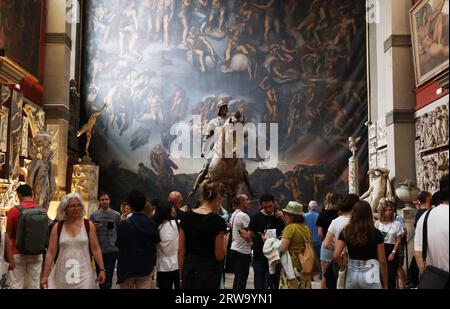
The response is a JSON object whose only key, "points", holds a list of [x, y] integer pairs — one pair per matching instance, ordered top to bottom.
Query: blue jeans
{"points": [[109, 260], [363, 275], [262, 279]]}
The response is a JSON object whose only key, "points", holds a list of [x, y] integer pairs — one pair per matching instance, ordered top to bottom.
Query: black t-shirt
{"points": [[325, 218], [259, 223], [200, 232], [367, 252]]}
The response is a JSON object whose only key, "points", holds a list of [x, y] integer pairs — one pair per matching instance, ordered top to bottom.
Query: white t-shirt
{"points": [[240, 220], [336, 227], [438, 230], [390, 231], [167, 248]]}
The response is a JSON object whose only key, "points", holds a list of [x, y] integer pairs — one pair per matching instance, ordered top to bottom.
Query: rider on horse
{"points": [[212, 126]]}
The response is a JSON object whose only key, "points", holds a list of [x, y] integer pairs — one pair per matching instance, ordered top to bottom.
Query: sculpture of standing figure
{"points": [[88, 128], [352, 142], [41, 177], [380, 187]]}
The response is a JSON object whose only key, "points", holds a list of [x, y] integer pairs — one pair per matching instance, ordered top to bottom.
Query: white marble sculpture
{"points": [[353, 166], [380, 187]]}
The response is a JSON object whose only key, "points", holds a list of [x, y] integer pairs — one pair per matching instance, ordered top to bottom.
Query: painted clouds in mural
{"points": [[300, 64]]}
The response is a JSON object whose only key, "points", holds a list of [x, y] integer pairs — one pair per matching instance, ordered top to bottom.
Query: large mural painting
{"points": [[155, 63]]}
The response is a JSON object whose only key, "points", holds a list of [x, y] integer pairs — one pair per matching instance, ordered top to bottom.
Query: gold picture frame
{"points": [[429, 20]]}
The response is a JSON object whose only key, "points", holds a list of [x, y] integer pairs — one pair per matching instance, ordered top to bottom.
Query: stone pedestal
{"points": [[353, 175], [85, 182], [409, 214]]}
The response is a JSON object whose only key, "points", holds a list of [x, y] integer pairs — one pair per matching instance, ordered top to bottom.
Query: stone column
{"points": [[58, 46], [392, 94], [353, 175], [85, 182]]}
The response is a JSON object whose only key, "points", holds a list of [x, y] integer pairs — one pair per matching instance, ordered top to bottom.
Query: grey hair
{"points": [[312, 205], [61, 211]]}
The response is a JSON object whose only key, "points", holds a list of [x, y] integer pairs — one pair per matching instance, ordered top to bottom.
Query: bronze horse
{"points": [[227, 166]]}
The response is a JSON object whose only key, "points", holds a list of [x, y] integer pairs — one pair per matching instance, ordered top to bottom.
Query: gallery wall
{"points": [[299, 64]]}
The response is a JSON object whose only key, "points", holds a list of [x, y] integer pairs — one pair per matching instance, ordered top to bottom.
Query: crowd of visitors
{"points": [[167, 245]]}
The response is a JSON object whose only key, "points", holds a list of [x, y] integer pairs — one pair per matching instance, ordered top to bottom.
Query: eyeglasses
{"points": [[74, 206]]}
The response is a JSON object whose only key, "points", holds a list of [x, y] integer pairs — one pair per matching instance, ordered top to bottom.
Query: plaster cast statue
{"points": [[35, 119], [441, 125], [88, 128], [352, 143], [41, 177], [80, 181], [380, 187], [9, 197]]}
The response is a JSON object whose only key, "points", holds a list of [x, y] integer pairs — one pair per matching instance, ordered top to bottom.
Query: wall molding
{"points": [[58, 38], [397, 40], [57, 112], [400, 116]]}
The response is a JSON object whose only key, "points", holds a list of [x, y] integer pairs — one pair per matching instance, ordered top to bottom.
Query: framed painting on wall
{"points": [[22, 25], [429, 32]]}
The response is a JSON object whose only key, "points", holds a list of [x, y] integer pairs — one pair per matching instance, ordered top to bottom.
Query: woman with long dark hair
{"points": [[365, 245], [167, 276]]}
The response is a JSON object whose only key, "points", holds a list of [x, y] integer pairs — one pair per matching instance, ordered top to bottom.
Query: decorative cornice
{"points": [[58, 38], [397, 40], [12, 73], [57, 112], [399, 116]]}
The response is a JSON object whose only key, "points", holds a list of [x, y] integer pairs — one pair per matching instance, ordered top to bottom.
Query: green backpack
{"points": [[32, 230]]}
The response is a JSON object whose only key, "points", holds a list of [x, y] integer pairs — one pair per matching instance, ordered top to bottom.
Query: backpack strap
{"points": [[87, 226], [425, 237]]}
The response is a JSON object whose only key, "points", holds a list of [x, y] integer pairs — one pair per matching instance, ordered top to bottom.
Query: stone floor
{"points": [[229, 281]]}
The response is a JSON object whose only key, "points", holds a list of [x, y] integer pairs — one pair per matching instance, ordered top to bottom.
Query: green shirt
{"points": [[297, 234]]}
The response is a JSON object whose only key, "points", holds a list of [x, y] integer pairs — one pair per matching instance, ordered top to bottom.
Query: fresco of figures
{"points": [[154, 63]]}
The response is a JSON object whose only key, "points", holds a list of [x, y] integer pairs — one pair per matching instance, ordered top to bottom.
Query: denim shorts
{"points": [[326, 255]]}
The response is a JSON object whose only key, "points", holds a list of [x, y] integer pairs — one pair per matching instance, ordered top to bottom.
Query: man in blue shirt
{"points": [[310, 220]]}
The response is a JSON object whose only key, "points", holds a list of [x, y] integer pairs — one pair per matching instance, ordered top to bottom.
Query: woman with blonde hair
{"points": [[330, 213], [392, 232], [72, 241], [201, 249]]}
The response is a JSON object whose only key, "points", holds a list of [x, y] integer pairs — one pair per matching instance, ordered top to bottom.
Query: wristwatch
{"points": [[393, 251]]}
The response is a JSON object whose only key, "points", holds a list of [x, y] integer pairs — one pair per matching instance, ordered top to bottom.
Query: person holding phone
{"points": [[106, 222], [260, 223]]}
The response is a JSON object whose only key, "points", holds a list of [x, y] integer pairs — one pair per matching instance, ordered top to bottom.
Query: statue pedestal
{"points": [[353, 175], [85, 181], [409, 214]]}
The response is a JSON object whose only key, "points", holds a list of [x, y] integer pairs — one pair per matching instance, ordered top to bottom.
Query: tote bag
{"points": [[4, 266]]}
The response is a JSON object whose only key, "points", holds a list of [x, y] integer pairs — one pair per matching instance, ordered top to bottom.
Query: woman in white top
{"points": [[392, 231], [73, 240], [167, 276]]}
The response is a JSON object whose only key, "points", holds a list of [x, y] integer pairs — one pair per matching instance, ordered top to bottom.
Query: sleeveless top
{"points": [[73, 267]]}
